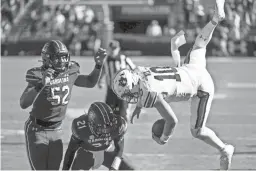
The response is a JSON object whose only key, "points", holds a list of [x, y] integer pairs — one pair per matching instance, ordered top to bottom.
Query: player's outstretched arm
{"points": [[177, 41], [102, 77], [91, 80], [167, 113], [73, 145], [119, 145], [119, 149]]}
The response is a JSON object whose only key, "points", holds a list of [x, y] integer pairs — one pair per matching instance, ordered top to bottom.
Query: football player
{"points": [[115, 61], [157, 86], [49, 92], [92, 136]]}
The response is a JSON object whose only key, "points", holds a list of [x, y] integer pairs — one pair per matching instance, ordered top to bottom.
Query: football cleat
{"points": [[226, 157]]}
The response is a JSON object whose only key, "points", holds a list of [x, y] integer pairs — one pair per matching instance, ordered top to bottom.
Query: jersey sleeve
{"points": [[34, 76], [148, 97], [74, 129]]}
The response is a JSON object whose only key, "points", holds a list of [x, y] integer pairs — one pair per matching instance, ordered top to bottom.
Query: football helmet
{"points": [[55, 55], [126, 85], [101, 119]]}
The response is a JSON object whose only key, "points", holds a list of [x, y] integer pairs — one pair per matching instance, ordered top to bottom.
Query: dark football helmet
{"points": [[55, 55], [101, 119]]}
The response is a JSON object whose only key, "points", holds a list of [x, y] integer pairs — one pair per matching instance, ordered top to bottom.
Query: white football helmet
{"points": [[126, 85]]}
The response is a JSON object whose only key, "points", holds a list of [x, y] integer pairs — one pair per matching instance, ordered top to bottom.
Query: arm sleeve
{"points": [[90, 80], [119, 140]]}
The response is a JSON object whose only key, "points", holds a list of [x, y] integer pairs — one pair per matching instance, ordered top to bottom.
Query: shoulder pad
{"points": [[74, 67], [34, 75]]}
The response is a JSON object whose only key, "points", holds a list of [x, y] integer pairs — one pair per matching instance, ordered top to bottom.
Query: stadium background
{"points": [[27, 24]]}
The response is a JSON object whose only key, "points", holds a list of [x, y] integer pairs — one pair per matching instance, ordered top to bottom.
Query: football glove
{"points": [[100, 56], [47, 76]]}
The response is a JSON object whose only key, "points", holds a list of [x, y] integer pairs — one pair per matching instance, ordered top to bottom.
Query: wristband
{"points": [[97, 66], [116, 163]]}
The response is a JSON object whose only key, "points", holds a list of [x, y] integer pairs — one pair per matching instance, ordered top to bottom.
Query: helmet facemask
{"points": [[55, 55], [60, 62], [127, 86], [131, 96]]}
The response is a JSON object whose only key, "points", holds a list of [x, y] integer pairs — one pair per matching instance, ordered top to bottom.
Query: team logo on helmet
{"points": [[122, 80]]}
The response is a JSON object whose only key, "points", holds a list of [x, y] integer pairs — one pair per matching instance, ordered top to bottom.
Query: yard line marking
{"points": [[210, 60], [241, 85], [220, 96], [248, 125], [12, 132], [176, 137], [144, 154], [181, 155]]}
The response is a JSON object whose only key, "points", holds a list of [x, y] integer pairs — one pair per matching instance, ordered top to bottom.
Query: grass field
{"points": [[233, 117]]}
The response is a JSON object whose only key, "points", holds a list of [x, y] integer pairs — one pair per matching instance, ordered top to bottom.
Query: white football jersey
{"points": [[173, 83]]}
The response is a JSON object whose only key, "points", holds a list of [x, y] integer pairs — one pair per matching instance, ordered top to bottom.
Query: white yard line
{"points": [[237, 85], [220, 96]]}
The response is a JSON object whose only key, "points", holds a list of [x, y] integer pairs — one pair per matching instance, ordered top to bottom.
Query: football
{"points": [[158, 127]]}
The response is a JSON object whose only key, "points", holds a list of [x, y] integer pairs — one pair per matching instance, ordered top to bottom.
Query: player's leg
{"points": [[177, 41], [197, 54], [200, 108], [36, 145], [55, 149], [109, 158]]}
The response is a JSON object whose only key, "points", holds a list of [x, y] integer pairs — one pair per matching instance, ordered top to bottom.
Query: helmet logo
{"points": [[122, 80]]}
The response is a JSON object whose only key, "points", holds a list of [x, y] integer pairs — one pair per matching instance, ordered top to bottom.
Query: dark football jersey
{"points": [[51, 101], [82, 131]]}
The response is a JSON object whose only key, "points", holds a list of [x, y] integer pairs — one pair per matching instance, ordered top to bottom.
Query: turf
{"points": [[233, 117]]}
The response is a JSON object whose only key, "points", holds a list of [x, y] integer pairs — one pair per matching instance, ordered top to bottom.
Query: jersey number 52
{"points": [[56, 95]]}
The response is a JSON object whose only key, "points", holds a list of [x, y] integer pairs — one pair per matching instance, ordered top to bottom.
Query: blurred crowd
{"points": [[76, 25], [79, 26], [230, 36]]}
